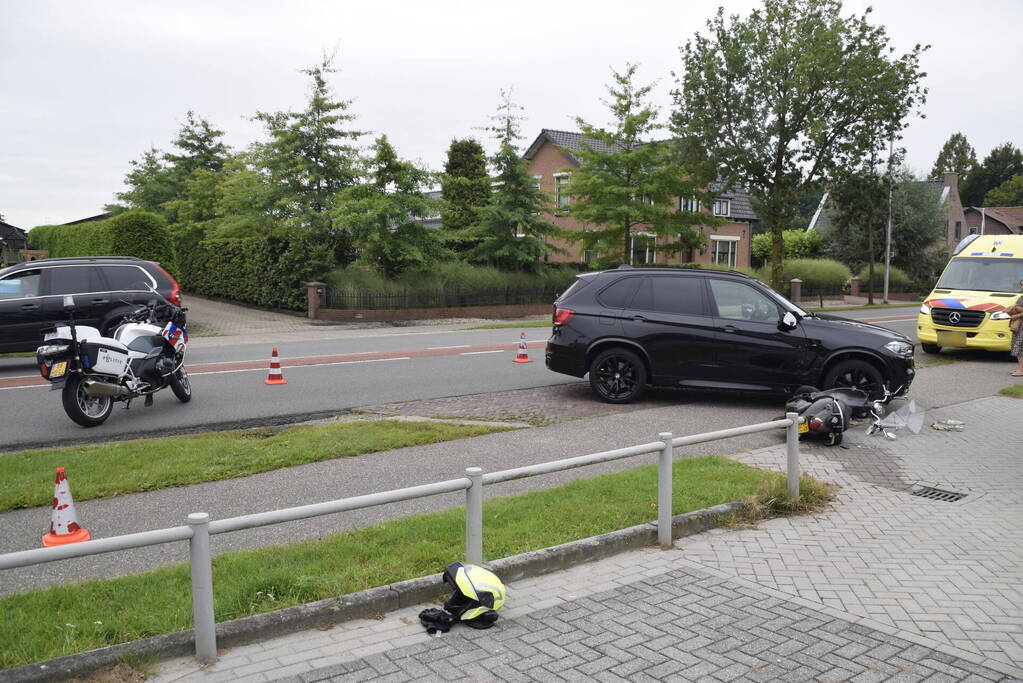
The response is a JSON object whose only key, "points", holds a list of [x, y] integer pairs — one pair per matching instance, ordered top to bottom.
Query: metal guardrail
{"points": [[199, 527]]}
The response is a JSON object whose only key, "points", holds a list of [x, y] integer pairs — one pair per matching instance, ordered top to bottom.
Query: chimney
{"points": [[951, 180]]}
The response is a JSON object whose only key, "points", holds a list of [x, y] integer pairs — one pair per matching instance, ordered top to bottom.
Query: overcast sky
{"points": [[85, 87]]}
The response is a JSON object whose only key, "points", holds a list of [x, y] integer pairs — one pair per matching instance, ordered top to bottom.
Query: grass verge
{"points": [[508, 326], [1015, 391], [115, 469], [48, 623]]}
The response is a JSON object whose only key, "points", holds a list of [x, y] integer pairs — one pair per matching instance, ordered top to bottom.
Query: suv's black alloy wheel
{"points": [[618, 376]]}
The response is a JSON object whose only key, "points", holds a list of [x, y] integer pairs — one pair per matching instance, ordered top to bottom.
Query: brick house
{"points": [[552, 152], [945, 191], [995, 220], [12, 241]]}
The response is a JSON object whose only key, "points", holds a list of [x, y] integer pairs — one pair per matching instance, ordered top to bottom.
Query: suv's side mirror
{"points": [[69, 302], [788, 321]]}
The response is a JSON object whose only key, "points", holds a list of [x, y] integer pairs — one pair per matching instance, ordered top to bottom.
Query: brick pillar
{"points": [[854, 286], [795, 290], [316, 292]]}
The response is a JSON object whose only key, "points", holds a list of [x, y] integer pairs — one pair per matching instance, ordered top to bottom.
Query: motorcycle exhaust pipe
{"points": [[96, 388]]}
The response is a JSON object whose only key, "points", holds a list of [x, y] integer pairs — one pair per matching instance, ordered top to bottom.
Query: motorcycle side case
{"points": [[104, 356]]}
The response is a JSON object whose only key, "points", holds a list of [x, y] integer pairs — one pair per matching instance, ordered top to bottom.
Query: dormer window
{"points": [[722, 207]]}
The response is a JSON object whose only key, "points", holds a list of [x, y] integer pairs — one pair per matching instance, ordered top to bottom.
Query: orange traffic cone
{"points": [[523, 356], [275, 376], [63, 521]]}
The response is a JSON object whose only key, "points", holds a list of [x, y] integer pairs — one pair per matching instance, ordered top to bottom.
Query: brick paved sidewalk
{"points": [[884, 586]]}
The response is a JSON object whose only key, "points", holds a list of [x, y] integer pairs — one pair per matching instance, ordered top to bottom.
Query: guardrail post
{"points": [[792, 448], [664, 490], [474, 516], [202, 588]]}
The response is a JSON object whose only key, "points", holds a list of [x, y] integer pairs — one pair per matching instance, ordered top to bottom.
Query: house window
{"points": [[560, 190], [685, 204], [722, 207], [959, 229], [973, 231], [723, 249], [642, 251]]}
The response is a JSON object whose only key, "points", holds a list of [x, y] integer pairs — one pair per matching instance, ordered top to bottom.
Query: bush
{"points": [[133, 233], [797, 244], [262, 271], [818, 275], [448, 276], [896, 278]]}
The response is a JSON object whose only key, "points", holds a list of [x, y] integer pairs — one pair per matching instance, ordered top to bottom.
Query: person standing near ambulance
{"points": [[1016, 325]]}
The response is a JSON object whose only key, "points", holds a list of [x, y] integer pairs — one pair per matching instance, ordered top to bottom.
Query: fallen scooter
{"points": [[828, 413]]}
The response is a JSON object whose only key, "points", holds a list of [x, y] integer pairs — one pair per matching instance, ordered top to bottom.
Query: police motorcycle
{"points": [[145, 354]]}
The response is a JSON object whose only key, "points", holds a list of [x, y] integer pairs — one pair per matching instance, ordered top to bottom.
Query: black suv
{"points": [[104, 289], [631, 327]]}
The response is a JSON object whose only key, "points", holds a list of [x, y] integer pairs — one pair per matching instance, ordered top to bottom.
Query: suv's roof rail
{"points": [[85, 258], [681, 269]]}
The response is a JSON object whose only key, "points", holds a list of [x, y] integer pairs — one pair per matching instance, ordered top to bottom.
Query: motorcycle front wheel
{"points": [[180, 385], [88, 411]]}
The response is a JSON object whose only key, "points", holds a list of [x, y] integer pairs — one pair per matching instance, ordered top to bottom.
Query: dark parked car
{"points": [[104, 289], [678, 327]]}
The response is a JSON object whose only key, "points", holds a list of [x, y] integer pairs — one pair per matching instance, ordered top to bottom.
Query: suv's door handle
{"points": [[101, 300], [30, 307], [638, 319], [731, 329]]}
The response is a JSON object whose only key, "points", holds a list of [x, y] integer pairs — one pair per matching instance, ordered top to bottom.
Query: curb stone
{"points": [[369, 602]]}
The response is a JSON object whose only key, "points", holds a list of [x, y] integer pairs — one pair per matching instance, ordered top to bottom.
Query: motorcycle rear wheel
{"points": [[180, 385], [86, 410]]}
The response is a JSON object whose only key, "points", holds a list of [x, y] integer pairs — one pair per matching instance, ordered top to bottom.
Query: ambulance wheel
{"points": [[930, 348], [88, 411]]}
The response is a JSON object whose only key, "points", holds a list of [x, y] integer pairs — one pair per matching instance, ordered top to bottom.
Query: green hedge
{"points": [[132, 233], [269, 272], [818, 275], [896, 277]]}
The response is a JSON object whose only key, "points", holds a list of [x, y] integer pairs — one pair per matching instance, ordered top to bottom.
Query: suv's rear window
{"points": [[127, 278], [619, 293]]}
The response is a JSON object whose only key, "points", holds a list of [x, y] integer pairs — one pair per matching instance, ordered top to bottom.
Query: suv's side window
{"points": [[126, 278], [75, 280], [20, 285], [619, 293], [681, 295], [739, 301]]}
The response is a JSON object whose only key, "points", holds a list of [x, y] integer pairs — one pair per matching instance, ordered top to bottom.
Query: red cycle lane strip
{"points": [[240, 366]]}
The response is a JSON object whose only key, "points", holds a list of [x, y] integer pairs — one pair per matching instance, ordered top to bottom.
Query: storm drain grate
{"points": [[938, 494]]}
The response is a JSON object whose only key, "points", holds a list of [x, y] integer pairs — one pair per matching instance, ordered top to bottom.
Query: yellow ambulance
{"points": [[966, 310]]}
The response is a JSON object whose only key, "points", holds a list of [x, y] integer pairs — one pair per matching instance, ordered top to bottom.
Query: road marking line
{"points": [[437, 348], [477, 353], [307, 365]]}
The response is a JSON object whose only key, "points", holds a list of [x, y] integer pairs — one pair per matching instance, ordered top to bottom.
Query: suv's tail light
{"points": [[175, 296], [562, 315]]}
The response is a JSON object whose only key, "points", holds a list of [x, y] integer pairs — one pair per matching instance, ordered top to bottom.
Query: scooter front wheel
{"points": [[88, 411]]}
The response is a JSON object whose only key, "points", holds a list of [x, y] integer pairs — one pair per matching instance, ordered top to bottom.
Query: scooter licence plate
{"points": [[58, 369], [804, 427]]}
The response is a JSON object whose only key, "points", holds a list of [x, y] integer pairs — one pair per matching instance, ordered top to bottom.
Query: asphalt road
{"points": [[420, 363], [938, 384]]}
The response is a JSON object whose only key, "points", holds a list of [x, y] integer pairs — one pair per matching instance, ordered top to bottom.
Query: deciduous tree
{"points": [[789, 95], [956, 156], [1004, 162], [626, 180], [1009, 193], [384, 214]]}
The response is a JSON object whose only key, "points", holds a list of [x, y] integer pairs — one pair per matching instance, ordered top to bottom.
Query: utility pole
{"points": [[888, 236]]}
